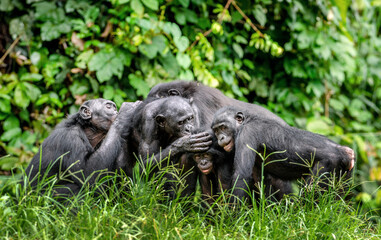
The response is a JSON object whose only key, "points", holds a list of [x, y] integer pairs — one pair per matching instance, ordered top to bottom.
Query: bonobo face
{"points": [[100, 113], [176, 118], [225, 124], [225, 135], [204, 162]]}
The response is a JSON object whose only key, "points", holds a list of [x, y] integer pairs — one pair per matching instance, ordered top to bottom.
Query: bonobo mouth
{"points": [[228, 147], [206, 171]]}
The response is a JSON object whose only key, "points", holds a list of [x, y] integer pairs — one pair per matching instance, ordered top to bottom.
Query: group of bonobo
{"points": [[219, 140]]}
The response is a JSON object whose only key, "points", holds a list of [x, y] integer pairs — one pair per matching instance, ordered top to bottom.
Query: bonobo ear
{"points": [[173, 92], [85, 112], [239, 117], [160, 120]]}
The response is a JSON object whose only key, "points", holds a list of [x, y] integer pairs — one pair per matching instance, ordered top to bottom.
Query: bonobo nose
{"points": [[188, 129], [203, 163]]}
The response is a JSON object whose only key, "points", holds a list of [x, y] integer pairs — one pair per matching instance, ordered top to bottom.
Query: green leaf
{"points": [[184, 3], [152, 4], [6, 5], [137, 6], [259, 14], [180, 17], [181, 43], [238, 49], [84, 58], [183, 60], [107, 63], [170, 64], [35, 77], [227, 77], [78, 88], [142, 88], [33, 91], [108, 93], [21, 97], [337, 105], [5, 106], [11, 122], [318, 126], [11, 134]]}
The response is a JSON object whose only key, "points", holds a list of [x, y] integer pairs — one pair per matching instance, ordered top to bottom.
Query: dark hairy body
{"points": [[205, 101], [163, 128], [86, 142], [291, 153]]}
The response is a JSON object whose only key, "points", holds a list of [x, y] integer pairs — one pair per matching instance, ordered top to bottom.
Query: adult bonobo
{"points": [[205, 101], [163, 128], [87, 141], [294, 149]]}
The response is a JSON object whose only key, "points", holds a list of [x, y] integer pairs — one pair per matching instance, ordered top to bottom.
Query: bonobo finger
{"points": [[200, 135], [203, 137], [200, 140], [202, 144], [199, 149]]}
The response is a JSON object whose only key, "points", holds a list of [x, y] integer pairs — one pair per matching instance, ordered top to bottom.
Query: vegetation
{"points": [[314, 63], [143, 212]]}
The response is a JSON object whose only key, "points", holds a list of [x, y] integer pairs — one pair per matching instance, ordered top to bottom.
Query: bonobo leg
{"points": [[335, 163]]}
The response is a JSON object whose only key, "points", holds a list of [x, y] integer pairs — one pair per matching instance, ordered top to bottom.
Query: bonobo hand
{"points": [[129, 106], [124, 117], [199, 142]]}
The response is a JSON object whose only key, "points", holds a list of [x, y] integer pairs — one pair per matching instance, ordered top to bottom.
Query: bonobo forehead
{"points": [[162, 89], [94, 103], [97, 104], [177, 106], [224, 115]]}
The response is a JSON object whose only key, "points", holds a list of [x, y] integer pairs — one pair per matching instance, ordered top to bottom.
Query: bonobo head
{"points": [[162, 90], [98, 113], [176, 117], [225, 123], [207, 161], [204, 162]]}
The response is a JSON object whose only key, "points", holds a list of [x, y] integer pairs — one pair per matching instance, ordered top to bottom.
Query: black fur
{"points": [[287, 143]]}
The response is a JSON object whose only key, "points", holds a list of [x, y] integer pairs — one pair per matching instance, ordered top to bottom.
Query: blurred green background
{"points": [[317, 64]]}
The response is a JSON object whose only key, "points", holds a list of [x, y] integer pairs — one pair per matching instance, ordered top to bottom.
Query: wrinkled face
{"points": [[100, 112], [177, 119], [224, 126], [225, 135], [204, 162]]}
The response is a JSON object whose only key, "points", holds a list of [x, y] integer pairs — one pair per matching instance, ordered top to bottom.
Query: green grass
{"points": [[143, 212]]}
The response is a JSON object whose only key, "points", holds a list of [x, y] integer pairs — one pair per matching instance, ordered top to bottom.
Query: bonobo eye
{"points": [[173, 92], [110, 105], [239, 117], [181, 122]]}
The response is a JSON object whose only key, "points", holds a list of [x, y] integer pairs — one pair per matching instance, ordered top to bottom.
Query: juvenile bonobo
{"points": [[162, 128], [237, 129], [87, 141], [216, 169]]}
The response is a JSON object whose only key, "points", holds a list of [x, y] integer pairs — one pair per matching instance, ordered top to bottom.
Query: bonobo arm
{"points": [[192, 143], [111, 152], [244, 159]]}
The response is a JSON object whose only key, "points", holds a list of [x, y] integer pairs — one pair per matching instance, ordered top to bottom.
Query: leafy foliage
{"points": [[315, 63]]}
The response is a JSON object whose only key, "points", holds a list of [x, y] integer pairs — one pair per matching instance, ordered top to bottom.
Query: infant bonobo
{"points": [[86, 142], [298, 151], [216, 167]]}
